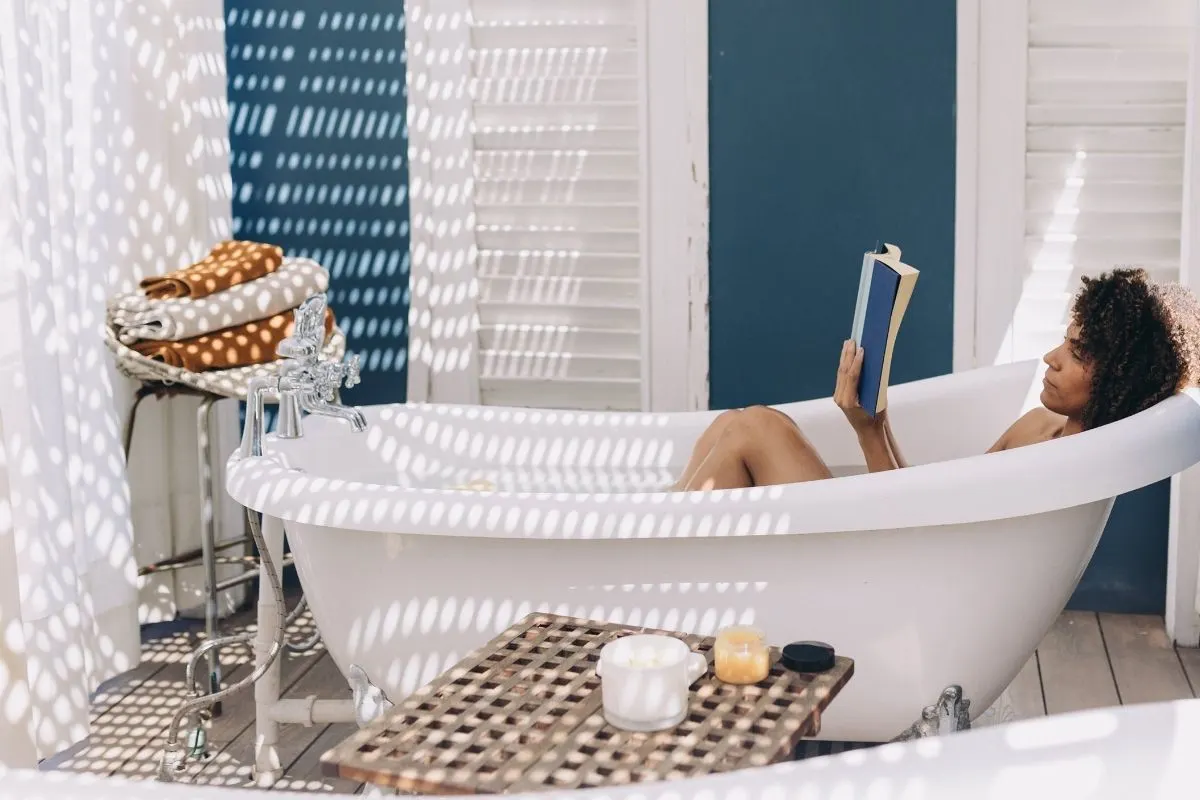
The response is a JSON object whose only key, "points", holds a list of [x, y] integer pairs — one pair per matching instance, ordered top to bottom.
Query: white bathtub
{"points": [[946, 573]]}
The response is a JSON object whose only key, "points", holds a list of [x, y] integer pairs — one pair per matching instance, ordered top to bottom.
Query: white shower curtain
{"points": [[113, 165]]}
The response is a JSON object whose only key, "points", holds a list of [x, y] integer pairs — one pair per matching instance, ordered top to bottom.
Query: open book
{"points": [[884, 289]]}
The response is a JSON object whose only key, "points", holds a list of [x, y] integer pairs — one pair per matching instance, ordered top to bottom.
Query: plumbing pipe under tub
{"points": [[310, 711]]}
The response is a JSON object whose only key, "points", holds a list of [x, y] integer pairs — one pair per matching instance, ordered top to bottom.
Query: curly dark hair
{"points": [[1141, 339]]}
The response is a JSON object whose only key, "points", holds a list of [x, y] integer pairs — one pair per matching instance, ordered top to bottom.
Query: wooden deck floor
{"points": [[1087, 661]]}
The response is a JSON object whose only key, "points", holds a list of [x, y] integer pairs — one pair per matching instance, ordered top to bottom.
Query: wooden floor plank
{"points": [[169, 645], [1189, 657], [1144, 663], [1076, 674], [1026, 691], [110, 693], [1021, 700], [129, 708], [104, 733], [129, 738], [232, 766], [305, 775]]}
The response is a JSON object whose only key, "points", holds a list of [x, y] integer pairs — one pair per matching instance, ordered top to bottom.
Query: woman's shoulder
{"points": [[1042, 418], [1036, 425]]}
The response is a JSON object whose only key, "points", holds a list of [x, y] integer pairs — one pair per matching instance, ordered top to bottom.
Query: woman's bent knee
{"points": [[726, 417], [767, 417], [751, 428], [775, 450]]}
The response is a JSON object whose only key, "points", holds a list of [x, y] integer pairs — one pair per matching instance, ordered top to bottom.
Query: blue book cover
{"points": [[877, 323]]}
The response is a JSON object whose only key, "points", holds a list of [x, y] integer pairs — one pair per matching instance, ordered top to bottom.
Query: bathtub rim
{"points": [[1138, 451]]}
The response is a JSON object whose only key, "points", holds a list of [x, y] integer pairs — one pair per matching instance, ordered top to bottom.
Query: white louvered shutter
{"points": [[1105, 114], [558, 199]]}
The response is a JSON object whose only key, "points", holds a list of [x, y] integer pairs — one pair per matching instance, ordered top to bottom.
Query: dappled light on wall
{"points": [[527, 132], [320, 161], [442, 174], [1098, 180], [1042, 308]]}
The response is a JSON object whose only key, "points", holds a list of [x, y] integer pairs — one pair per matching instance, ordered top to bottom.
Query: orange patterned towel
{"points": [[229, 263], [239, 346]]}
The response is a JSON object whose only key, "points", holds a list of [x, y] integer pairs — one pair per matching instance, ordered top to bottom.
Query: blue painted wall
{"points": [[832, 127], [822, 145], [319, 163], [1128, 573]]}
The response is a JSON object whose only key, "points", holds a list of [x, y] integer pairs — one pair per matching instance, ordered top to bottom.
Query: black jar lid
{"points": [[808, 656]]}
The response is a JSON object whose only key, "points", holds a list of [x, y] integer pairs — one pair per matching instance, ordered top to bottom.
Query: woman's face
{"points": [[1068, 382]]}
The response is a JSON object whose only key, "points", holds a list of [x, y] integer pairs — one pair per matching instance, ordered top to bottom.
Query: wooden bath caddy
{"points": [[523, 713]]}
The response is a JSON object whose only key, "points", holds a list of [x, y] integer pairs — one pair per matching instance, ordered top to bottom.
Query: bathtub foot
{"points": [[369, 700], [950, 714], [264, 778]]}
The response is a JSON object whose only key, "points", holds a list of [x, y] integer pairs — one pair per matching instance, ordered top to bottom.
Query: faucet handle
{"points": [[308, 330], [353, 376], [328, 377]]}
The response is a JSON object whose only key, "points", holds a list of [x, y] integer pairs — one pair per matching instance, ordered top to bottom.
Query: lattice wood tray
{"points": [[523, 713]]}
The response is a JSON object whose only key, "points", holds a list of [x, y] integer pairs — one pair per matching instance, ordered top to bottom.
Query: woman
{"points": [[1130, 345]]}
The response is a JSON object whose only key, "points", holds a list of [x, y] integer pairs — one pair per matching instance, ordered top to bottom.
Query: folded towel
{"points": [[229, 263], [136, 316], [239, 346]]}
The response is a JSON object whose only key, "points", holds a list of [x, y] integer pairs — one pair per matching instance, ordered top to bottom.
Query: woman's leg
{"points": [[704, 446], [758, 446]]}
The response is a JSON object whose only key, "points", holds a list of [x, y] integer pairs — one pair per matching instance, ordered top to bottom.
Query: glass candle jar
{"points": [[740, 655], [645, 680]]}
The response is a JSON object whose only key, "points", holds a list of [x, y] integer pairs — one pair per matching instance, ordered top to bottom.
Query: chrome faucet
{"points": [[305, 382]]}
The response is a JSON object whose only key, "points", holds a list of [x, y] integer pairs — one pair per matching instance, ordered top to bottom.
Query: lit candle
{"points": [[740, 655]]}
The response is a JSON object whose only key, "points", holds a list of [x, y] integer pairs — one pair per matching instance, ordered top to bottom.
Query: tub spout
{"points": [[313, 389], [358, 422]]}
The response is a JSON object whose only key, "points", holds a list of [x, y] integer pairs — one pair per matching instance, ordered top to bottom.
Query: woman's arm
{"points": [[874, 433], [875, 441], [897, 456]]}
